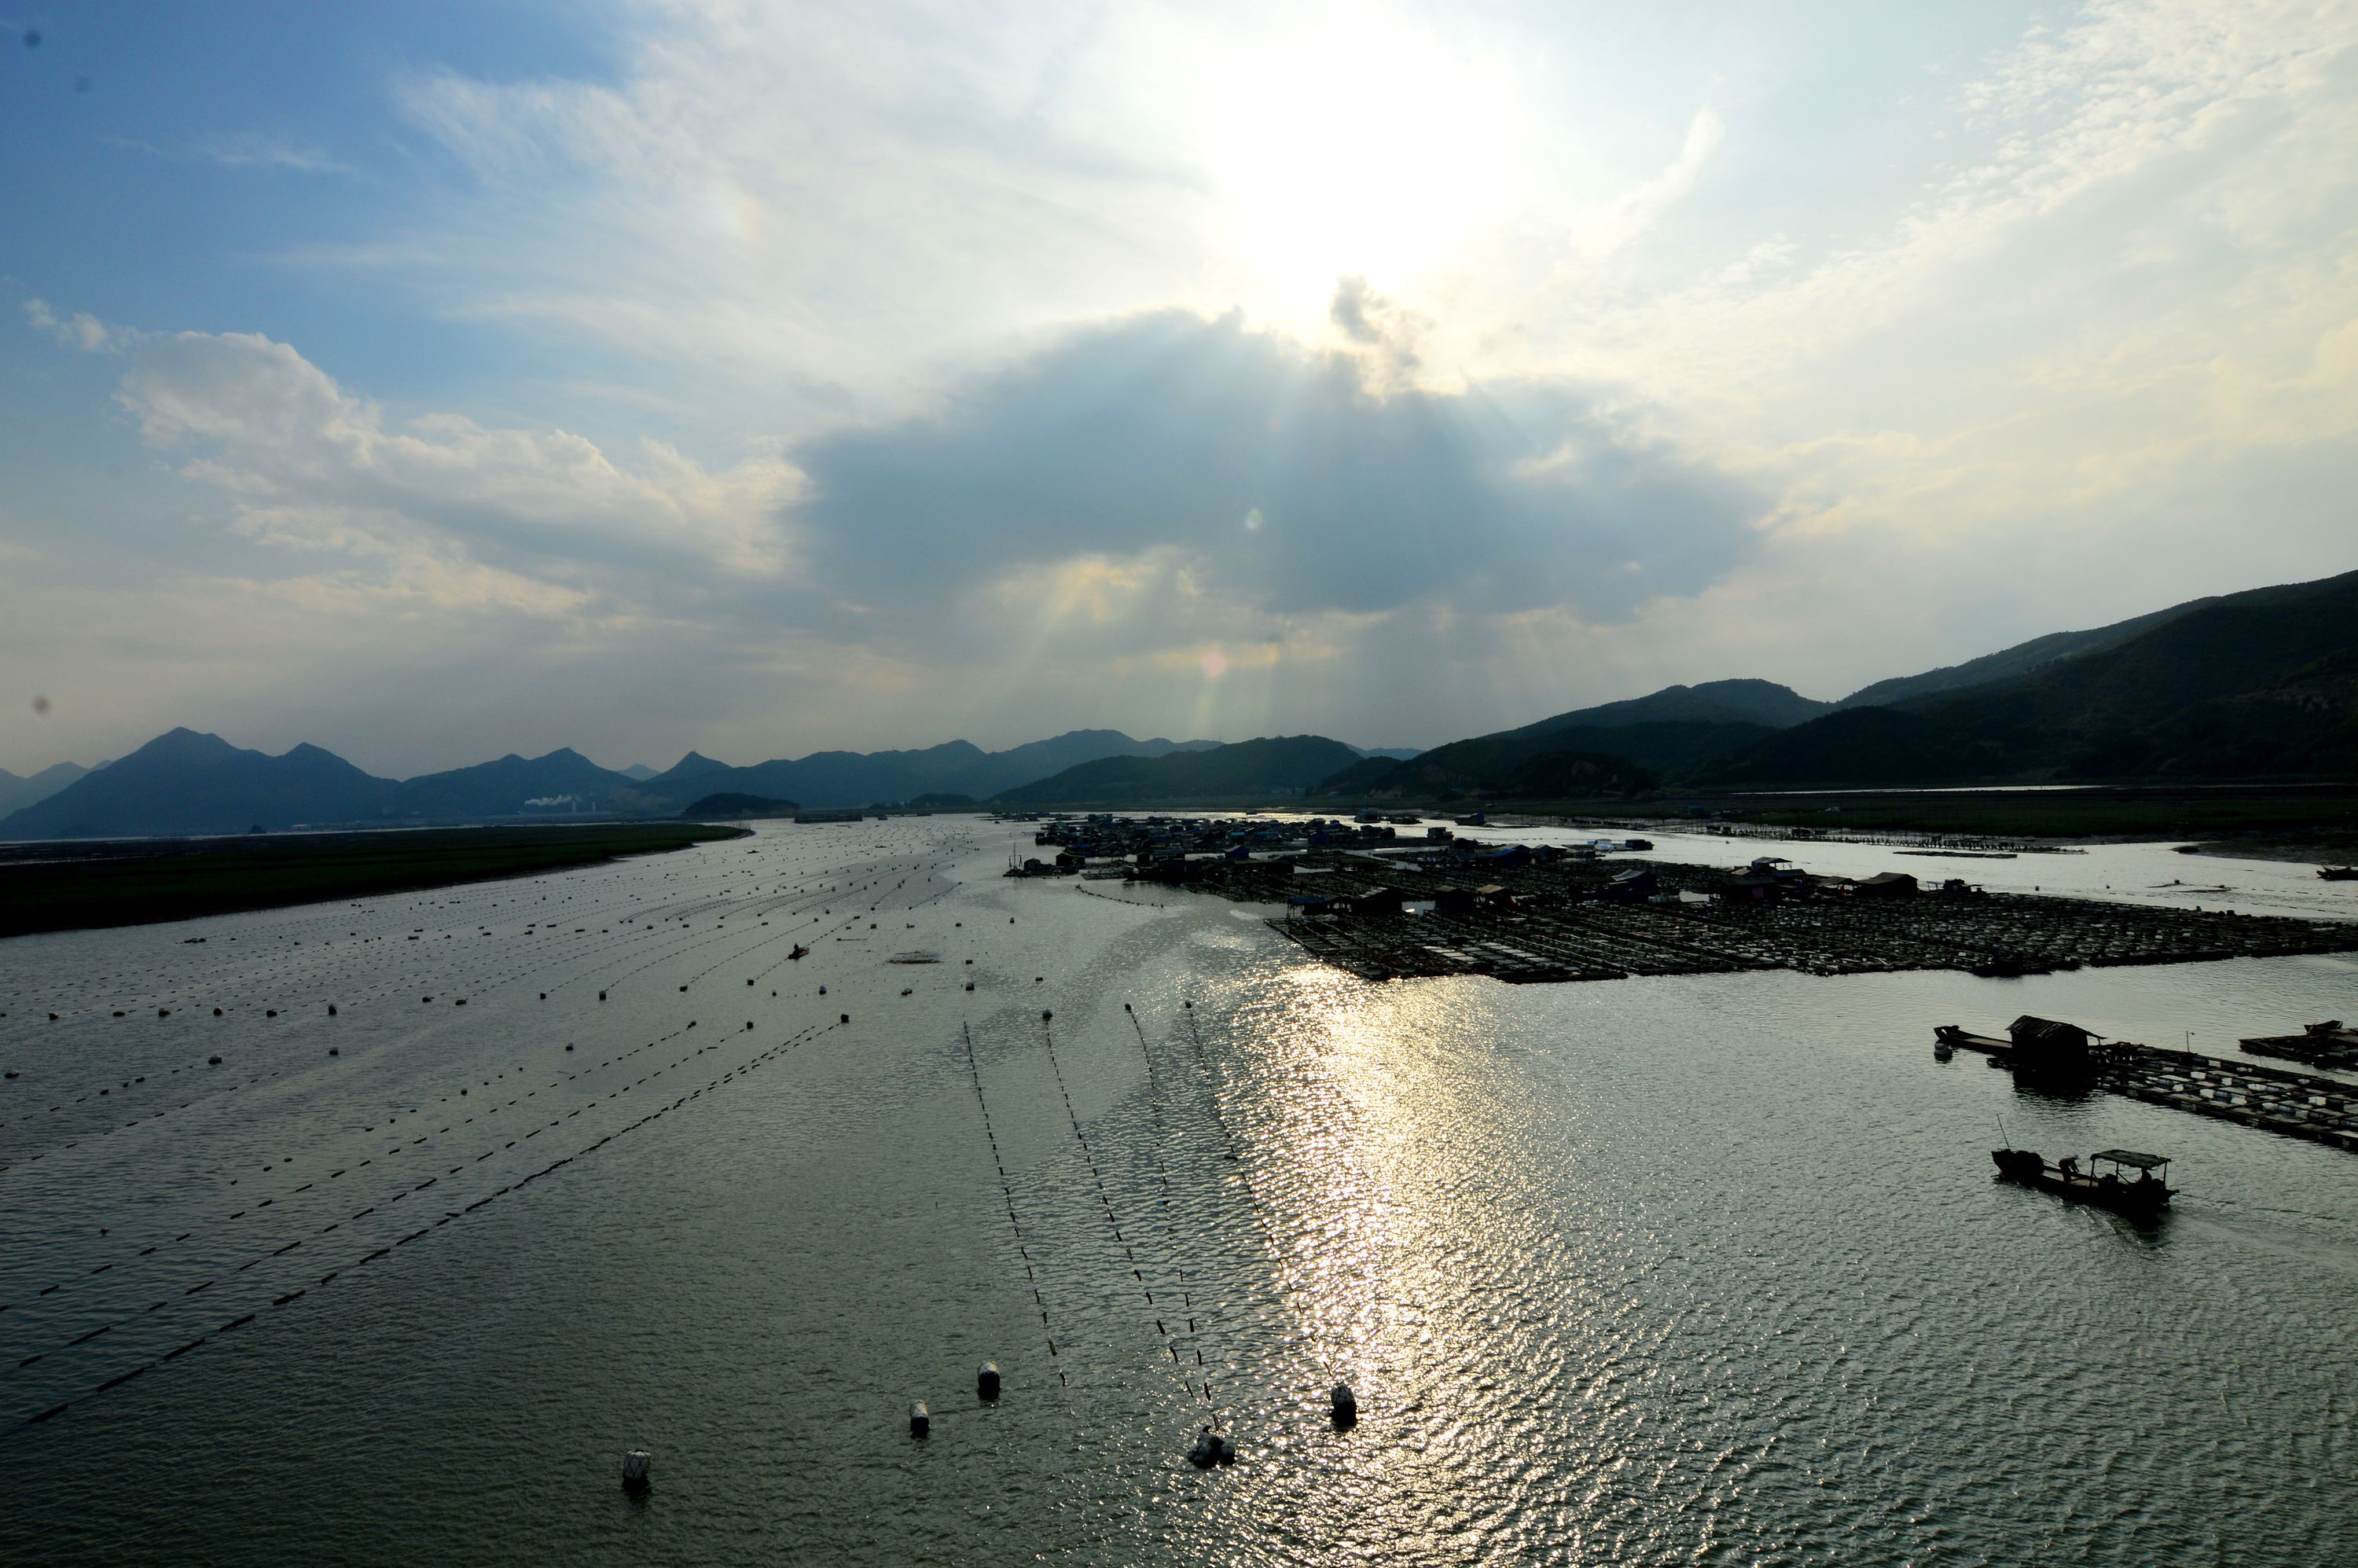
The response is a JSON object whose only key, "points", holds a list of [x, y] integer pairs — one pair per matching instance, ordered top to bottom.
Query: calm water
{"points": [[1697, 1270]]}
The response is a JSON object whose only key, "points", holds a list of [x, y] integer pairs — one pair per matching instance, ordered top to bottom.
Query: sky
{"points": [[437, 381]]}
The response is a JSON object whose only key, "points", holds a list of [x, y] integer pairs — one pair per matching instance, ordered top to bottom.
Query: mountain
{"points": [[2021, 659], [2257, 685], [1757, 702], [1490, 764], [1272, 766], [638, 772], [832, 780], [186, 783], [562, 784], [18, 793]]}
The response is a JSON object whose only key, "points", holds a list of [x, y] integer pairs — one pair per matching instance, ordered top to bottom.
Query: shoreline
{"points": [[100, 884]]}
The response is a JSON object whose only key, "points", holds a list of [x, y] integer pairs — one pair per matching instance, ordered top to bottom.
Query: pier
{"points": [[2299, 1105]]}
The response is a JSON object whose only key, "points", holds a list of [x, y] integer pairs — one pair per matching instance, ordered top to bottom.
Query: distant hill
{"points": [[2021, 659], [2259, 685], [1760, 702], [1666, 731], [1487, 764], [1265, 768], [637, 771], [830, 780], [186, 782], [562, 784], [16, 794], [727, 807]]}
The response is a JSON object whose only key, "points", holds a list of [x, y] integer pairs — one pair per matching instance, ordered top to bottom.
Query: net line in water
{"points": [[1007, 1196], [288, 1299], [1202, 1388]]}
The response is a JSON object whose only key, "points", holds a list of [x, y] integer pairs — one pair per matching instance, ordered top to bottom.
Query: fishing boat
{"points": [[2339, 874], [799, 952], [2106, 1183]]}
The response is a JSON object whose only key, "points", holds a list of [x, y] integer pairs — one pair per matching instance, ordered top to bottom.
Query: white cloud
{"points": [[244, 149], [80, 330], [540, 518]]}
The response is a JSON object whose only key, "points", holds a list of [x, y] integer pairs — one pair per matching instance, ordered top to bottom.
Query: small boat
{"points": [[2339, 874], [799, 952], [2143, 1196]]}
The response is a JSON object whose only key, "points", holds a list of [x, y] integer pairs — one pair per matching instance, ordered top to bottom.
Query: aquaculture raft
{"points": [[1552, 925], [2299, 1105]]}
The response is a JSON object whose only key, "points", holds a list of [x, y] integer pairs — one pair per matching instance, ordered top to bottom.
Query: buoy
{"points": [[822, 991], [602, 996], [331, 1010], [163, 1012], [216, 1013], [269, 1013], [1046, 1015], [844, 1019], [568, 1046], [332, 1051], [213, 1060], [985, 1380], [1347, 1407], [921, 1420], [1206, 1450], [637, 1467]]}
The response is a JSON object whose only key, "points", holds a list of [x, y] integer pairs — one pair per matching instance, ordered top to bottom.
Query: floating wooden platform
{"points": [[1557, 929], [2299, 1105]]}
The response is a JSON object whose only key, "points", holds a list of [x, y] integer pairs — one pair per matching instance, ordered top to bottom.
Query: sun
{"points": [[1357, 145]]}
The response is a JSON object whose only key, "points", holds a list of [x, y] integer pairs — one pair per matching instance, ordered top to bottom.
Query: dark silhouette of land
{"points": [[64, 888]]}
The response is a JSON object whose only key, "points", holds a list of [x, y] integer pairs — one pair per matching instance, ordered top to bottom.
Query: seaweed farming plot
{"points": [[1562, 922]]}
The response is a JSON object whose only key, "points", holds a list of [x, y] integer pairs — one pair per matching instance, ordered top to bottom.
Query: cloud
{"points": [[244, 149], [1635, 211], [80, 330], [1270, 475], [540, 518]]}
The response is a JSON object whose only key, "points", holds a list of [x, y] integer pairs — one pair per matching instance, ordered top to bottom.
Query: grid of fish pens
{"points": [[1553, 925]]}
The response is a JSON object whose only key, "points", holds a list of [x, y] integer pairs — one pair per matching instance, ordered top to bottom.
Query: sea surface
{"points": [[1696, 1269]]}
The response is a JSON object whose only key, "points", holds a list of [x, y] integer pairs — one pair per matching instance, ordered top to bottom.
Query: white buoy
{"points": [[985, 1380], [1347, 1405], [921, 1420], [637, 1467]]}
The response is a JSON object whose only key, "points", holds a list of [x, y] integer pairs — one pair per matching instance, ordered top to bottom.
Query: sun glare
{"points": [[1358, 148]]}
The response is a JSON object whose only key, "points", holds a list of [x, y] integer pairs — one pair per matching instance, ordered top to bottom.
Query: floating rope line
{"points": [[1007, 1196], [1113, 1223], [331, 1276], [1296, 1298]]}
